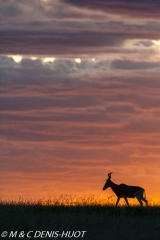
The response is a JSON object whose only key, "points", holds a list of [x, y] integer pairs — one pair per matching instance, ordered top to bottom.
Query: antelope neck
{"points": [[113, 187]]}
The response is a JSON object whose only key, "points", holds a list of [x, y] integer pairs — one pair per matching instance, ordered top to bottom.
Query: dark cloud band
{"points": [[134, 8]]}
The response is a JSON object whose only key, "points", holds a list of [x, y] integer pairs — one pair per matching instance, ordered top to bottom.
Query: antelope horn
{"points": [[109, 175]]}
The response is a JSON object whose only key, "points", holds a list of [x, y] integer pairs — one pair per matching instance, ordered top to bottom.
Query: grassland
{"points": [[101, 220]]}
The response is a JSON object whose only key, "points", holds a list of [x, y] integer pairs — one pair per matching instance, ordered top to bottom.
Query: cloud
{"points": [[134, 8], [10, 9], [27, 28], [94, 41], [56, 43], [144, 43], [131, 65], [29, 71], [50, 108], [122, 108], [64, 121], [54, 131]]}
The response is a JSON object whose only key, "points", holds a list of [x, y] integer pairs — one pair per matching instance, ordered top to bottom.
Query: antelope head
{"points": [[108, 182]]}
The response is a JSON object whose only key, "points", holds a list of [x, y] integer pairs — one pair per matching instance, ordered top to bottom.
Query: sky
{"points": [[79, 96]]}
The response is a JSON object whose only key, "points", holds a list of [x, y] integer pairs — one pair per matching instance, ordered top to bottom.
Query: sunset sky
{"points": [[80, 96]]}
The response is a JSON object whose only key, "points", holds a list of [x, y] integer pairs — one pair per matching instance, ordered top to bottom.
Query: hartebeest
{"points": [[125, 191]]}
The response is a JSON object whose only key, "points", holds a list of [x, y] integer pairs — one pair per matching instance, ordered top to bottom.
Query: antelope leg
{"points": [[118, 198], [139, 200], [126, 201], [146, 202]]}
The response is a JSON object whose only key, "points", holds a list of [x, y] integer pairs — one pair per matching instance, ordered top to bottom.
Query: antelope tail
{"points": [[144, 194]]}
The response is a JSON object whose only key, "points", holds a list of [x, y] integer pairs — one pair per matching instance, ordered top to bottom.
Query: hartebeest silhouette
{"points": [[125, 191]]}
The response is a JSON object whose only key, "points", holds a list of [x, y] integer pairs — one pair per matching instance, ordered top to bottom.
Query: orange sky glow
{"points": [[79, 98]]}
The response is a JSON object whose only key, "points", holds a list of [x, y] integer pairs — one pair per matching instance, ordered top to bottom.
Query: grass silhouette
{"points": [[99, 217]]}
